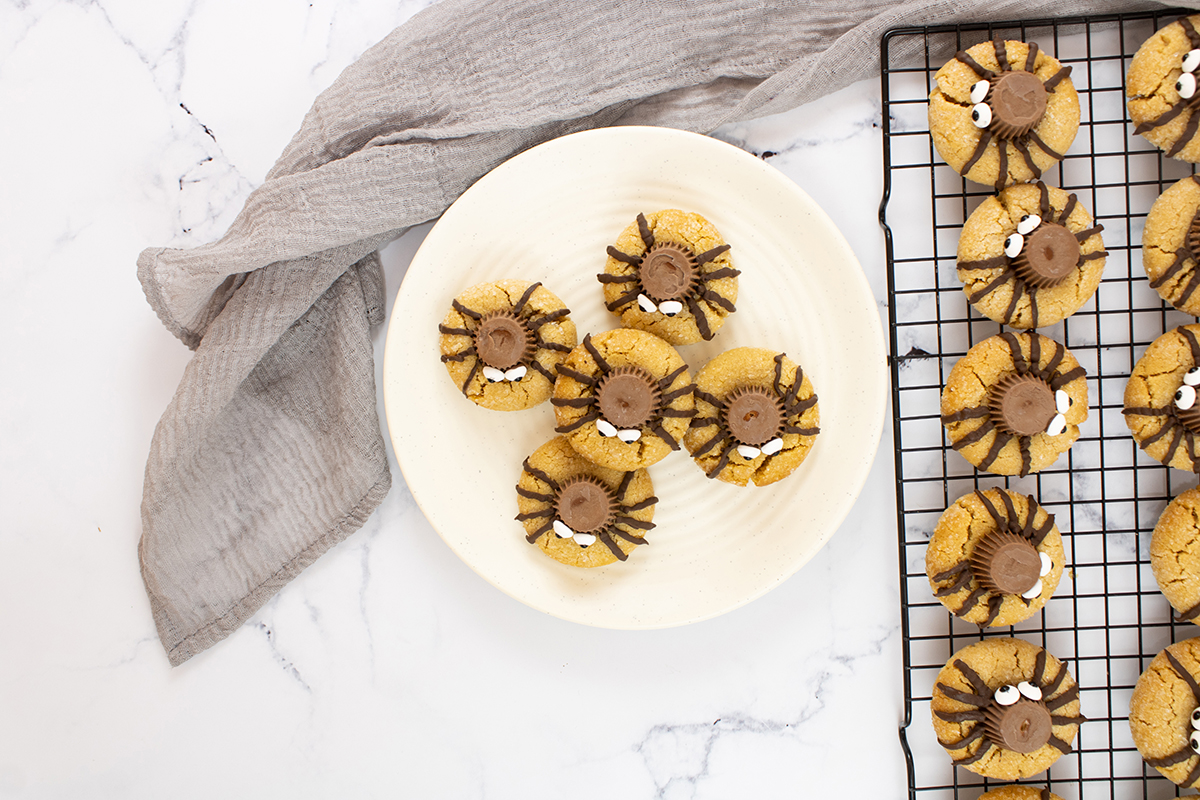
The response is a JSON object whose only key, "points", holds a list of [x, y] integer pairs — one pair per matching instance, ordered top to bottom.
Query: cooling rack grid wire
{"points": [[1108, 618]]}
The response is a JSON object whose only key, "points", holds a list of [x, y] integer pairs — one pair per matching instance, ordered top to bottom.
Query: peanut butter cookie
{"points": [[1161, 89], [1171, 245], [1160, 399], [1175, 554], [995, 557], [1164, 713], [1019, 793]]}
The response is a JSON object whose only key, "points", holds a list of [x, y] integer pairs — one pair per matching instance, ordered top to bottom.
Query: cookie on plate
{"points": [[1161, 89], [1003, 112], [1171, 245], [1030, 256], [670, 273], [501, 342], [623, 398], [1160, 399], [1014, 403], [756, 417], [581, 514], [1175, 554], [995, 557], [1005, 708], [1164, 713]]}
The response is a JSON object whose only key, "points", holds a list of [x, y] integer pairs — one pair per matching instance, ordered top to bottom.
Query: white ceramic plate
{"points": [[547, 215]]}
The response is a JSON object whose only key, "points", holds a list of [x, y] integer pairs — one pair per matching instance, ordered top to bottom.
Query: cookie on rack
{"points": [[1162, 92], [1003, 112], [1171, 245], [1030, 256], [670, 273], [501, 342], [623, 398], [1160, 399], [1014, 403], [756, 417], [581, 514], [1175, 554], [995, 557], [1005, 708], [1164, 713], [1016, 792]]}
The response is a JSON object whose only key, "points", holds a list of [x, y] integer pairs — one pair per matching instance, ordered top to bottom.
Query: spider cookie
{"points": [[1161, 89], [1003, 112], [1171, 245], [1030, 256], [670, 273], [501, 342], [623, 398], [1160, 399], [1014, 403], [756, 417], [579, 513], [1175, 555], [995, 557], [1005, 708], [1164, 713], [1019, 793]]}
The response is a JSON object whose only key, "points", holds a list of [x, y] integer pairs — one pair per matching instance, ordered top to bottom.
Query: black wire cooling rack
{"points": [[1108, 618]]}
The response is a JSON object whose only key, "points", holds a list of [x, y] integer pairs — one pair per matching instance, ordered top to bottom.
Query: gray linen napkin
{"points": [[271, 451]]}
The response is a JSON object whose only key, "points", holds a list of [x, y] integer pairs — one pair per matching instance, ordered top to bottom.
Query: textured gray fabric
{"points": [[271, 450]]}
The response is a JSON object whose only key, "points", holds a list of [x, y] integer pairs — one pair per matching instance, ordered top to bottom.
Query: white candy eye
{"points": [[1191, 60], [1186, 85], [980, 89], [981, 115], [1028, 223], [1013, 245], [646, 304], [670, 307], [516, 373], [493, 375], [1192, 376], [1185, 398], [1062, 402], [1058, 424], [606, 428], [629, 435], [772, 447], [748, 452], [561, 530], [584, 539], [1047, 565], [1033, 591], [1029, 690], [1007, 695], [1196, 719], [1194, 739]]}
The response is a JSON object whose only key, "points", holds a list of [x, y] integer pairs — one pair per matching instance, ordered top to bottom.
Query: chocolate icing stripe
{"points": [[1190, 30], [1001, 54], [1031, 59], [979, 69], [1056, 78], [1168, 115], [1185, 138], [985, 139], [1045, 148], [1023, 149], [1002, 170], [1044, 208], [1068, 209], [644, 231], [1089, 233], [709, 255], [1093, 255], [622, 257], [1181, 257], [986, 263], [723, 272], [605, 277], [991, 286], [1018, 286], [1190, 288], [623, 300], [717, 300], [520, 304], [1033, 310], [466, 312], [701, 320], [533, 323], [455, 331], [1193, 343], [555, 346], [1014, 347], [1035, 351], [595, 354], [463, 356], [541, 370], [471, 375], [574, 375], [669, 378], [1064, 378], [778, 384], [669, 397], [711, 399], [572, 402], [800, 406], [1146, 411], [677, 412], [965, 414], [704, 422], [579, 423], [1168, 425], [657, 429], [802, 431], [974, 436], [1176, 438], [1002, 439], [709, 445], [1026, 455], [722, 460], [541, 476], [626, 479], [548, 498], [649, 501], [991, 509], [545, 512], [1010, 518], [632, 522], [1026, 531], [1040, 534], [533, 537], [605, 537], [629, 537], [957, 569], [964, 580], [969, 603], [994, 604], [1190, 614], [1039, 667], [1183, 673], [977, 683], [1052, 687], [963, 697], [974, 715], [1056, 719], [976, 732], [1059, 745], [1178, 757], [971, 759], [1192, 776], [1045, 794]]}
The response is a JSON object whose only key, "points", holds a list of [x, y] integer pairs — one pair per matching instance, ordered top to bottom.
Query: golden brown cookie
{"points": [[1161, 89], [1003, 112], [1171, 245], [1030, 256], [670, 273], [501, 342], [623, 398], [1160, 399], [1014, 403], [756, 417], [579, 513], [1175, 554], [995, 557], [1005, 708], [1164, 713], [1019, 793]]}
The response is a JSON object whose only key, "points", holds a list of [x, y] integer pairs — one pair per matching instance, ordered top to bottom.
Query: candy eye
{"points": [[1191, 60], [1186, 86], [980, 89], [981, 115], [1028, 223], [1013, 245], [1192, 376], [1185, 398], [1062, 401], [1057, 424], [1048, 565], [1033, 591], [1029, 690], [1007, 695], [1196, 719], [1195, 741]]}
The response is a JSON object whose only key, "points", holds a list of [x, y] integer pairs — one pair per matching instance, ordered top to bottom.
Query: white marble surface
{"points": [[389, 668]]}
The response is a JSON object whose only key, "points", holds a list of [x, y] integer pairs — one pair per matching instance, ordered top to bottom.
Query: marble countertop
{"points": [[388, 668]]}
